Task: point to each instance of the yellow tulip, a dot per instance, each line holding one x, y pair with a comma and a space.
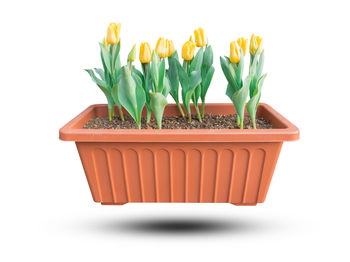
162, 47
145, 53
188, 50
234, 53
255, 44
200, 37
242, 44
171, 48
113, 32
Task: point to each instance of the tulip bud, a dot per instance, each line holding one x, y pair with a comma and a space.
162, 48
242, 44
171, 48
113, 31
132, 54
234, 53
104, 42
188, 50
255, 43
191, 39
145, 53
200, 37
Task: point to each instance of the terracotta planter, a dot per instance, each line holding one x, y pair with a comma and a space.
206, 166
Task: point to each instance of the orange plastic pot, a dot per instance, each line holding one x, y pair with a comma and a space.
192, 166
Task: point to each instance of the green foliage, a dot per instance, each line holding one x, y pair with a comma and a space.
207, 72
190, 79
236, 90
107, 79
257, 80
131, 94
173, 77
146, 81
160, 88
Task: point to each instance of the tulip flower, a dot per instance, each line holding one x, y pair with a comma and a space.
255, 44
234, 53
171, 48
188, 50
242, 44
200, 37
113, 32
145, 53
162, 48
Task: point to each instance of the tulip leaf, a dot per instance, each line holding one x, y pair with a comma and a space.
116, 56
106, 58
114, 94
131, 95
161, 75
100, 83
183, 77
229, 73
166, 88
206, 82
158, 103
260, 64
173, 77
155, 70
253, 103
239, 98
196, 63
208, 57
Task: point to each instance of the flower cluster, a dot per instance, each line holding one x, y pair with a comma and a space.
237, 89
162, 74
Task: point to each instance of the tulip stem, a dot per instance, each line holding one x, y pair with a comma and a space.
198, 113
121, 113
203, 106
180, 109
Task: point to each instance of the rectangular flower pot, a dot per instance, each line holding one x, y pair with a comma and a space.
193, 166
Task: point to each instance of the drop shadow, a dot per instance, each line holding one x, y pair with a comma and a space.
178, 226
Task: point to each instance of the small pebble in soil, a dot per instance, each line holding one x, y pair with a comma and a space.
176, 122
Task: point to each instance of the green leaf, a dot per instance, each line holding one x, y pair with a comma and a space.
140, 101
101, 84
166, 88
101, 73
230, 91
173, 77
127, 92
154, 70
229, 73
239, 97
252, 104
106, 58
208, 57
183, 77
260, 64
239, 70
158, 103
196, 63
161, 75
116, 56
138, 73
206, 82
114, 94
194, 79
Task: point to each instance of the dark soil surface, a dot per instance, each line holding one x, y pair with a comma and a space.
208, 122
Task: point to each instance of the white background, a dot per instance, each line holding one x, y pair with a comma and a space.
47, 213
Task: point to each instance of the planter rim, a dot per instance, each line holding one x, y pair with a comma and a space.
285, 130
